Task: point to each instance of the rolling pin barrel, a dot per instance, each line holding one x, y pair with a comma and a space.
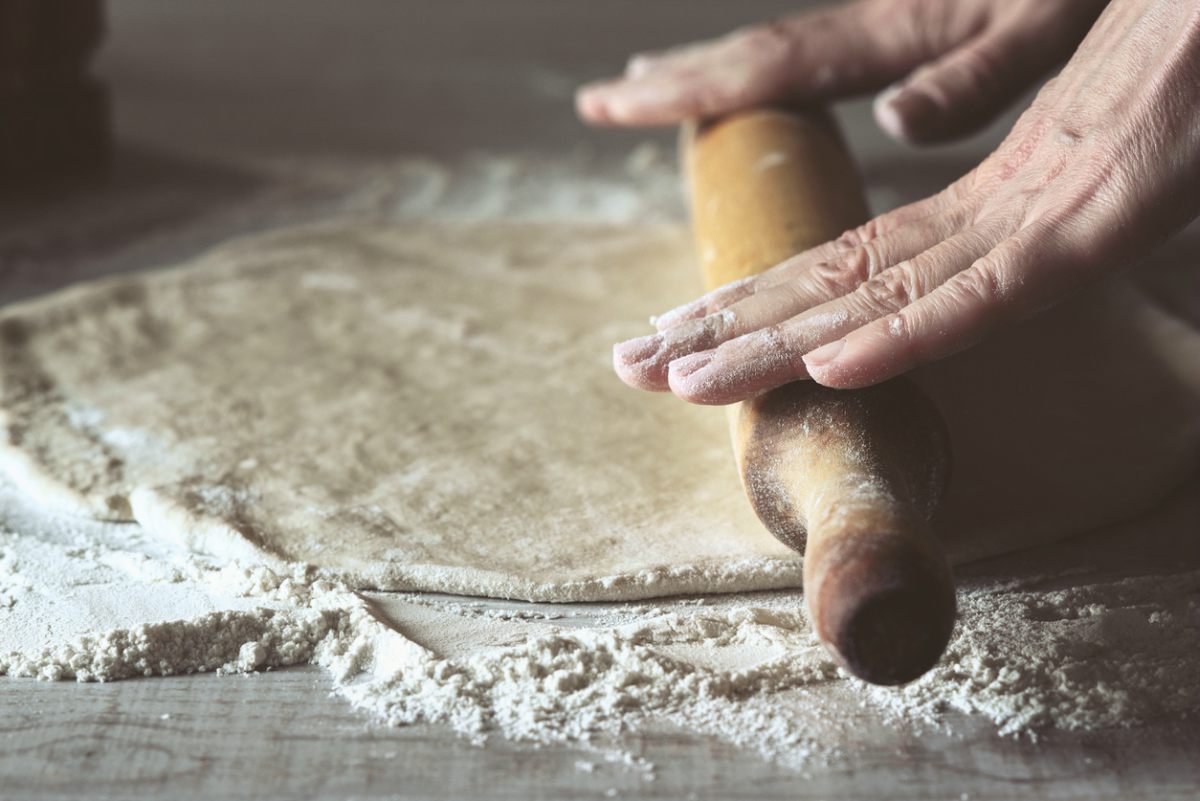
849, 478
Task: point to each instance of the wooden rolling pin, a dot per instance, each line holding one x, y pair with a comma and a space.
850, 478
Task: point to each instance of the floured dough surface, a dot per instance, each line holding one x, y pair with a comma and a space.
411, 407
432, 407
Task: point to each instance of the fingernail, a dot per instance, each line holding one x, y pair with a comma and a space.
690, 365
589, 102
906, 112
637, 350
824, 354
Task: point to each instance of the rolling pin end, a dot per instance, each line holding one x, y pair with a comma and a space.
886, 614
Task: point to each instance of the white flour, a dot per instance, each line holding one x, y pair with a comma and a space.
1028, 656
1084, 647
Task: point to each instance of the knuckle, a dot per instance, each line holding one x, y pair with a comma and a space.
891, 290
980, 284
861, 234
769, 38
842, 276
719, 325
703, 332
961, 197
849, 239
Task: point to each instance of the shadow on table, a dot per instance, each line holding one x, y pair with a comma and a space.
55, 235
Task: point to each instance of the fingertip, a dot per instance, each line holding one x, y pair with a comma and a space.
887, 116
829, 377
635, 362
906, 114
635, 350
638, 376
686, 367
849, 367
824, 364
591, 104
839, 376
621, 103
690, 379
631, 102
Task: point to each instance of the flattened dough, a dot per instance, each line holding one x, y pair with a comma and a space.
432, 408
411, 407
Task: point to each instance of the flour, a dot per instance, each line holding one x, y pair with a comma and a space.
1093, 656
1031, 655
259, 639
1050, 645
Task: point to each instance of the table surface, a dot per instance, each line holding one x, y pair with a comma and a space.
214, 102
280, 735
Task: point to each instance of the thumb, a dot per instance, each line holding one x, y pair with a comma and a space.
829, 53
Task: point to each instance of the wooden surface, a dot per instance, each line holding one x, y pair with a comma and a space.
281, 736
213, 140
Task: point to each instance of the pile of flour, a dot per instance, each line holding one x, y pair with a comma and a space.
98, 602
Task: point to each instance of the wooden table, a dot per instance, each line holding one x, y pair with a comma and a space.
281, 736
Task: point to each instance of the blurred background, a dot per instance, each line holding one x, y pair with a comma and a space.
208, 119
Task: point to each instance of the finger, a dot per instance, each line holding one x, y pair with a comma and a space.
644, 362
752, 364
829, 53
843, 262
954, 316
965, 89
715, 300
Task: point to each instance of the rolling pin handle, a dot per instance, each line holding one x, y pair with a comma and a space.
883, 606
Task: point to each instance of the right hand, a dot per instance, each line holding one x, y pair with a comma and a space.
952, 65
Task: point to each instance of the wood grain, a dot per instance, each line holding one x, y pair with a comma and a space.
281, 736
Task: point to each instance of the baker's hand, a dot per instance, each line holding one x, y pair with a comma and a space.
958, 63
1101, 168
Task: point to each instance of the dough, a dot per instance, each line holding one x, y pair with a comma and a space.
428, 407
412, 408
1085, 415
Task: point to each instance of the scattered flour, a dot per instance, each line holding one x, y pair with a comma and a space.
1079, 650
1031, 655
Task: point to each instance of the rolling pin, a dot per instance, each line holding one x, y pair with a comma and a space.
850, 478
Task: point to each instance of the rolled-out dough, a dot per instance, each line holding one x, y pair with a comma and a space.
411, 407
429, 407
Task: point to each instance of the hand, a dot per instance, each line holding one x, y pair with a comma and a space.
1101, 168
962, 62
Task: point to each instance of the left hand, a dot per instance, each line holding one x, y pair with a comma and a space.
1102, 167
